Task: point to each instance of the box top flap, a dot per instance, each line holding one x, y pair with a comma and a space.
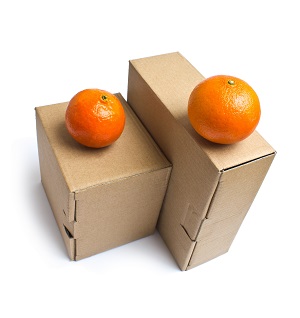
133, 153
178, 72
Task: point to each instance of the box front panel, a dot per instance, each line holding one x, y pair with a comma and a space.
119, 212
238, 187
208, 250
232, 200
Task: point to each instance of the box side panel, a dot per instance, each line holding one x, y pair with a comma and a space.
193, 174
119, 212
59, 197
194, 177
147, 152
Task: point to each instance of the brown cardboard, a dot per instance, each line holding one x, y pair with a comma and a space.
101, 198
211, 186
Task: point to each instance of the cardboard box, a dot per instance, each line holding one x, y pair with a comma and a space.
211, 186
101, 198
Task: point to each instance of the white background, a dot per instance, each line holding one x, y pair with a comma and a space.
52, 49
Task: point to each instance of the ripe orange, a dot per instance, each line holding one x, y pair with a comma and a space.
224, 109
95, 118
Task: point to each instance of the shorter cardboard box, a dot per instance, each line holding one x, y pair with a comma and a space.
101, 198
212, 186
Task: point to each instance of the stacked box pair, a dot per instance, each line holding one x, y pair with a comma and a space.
159, 173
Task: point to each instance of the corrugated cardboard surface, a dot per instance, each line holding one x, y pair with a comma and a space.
101, 198
212, 186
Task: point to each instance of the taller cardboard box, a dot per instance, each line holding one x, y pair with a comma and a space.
211, 186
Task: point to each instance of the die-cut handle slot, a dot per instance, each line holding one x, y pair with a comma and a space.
70, 236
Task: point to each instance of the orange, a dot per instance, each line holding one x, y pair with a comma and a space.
224, 109
95, 118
